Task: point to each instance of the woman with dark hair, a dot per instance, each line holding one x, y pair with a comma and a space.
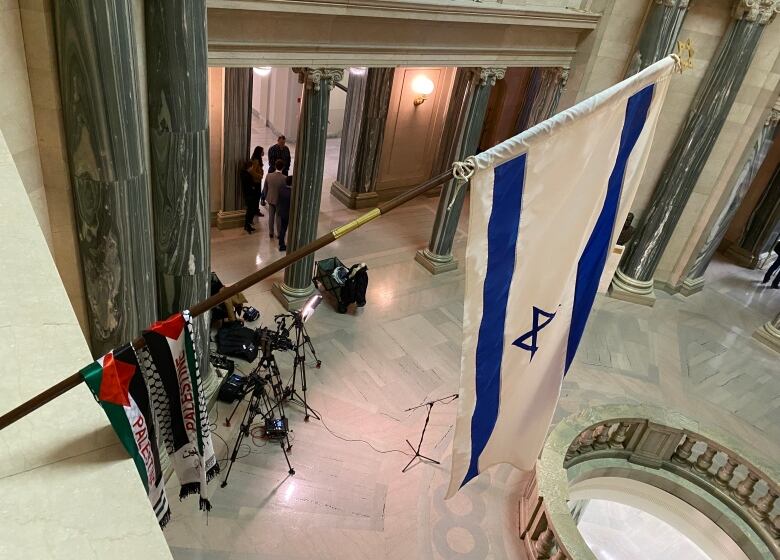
256, 170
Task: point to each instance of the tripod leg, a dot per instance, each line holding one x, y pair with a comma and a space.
290, 468
306, 407
307, 341
409, 464
243, 430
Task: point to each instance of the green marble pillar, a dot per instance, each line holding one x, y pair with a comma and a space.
659, 33
634, 279
762, 228
694, 278
105, 140
543, 94
238, 131
365, 116
178, 136
437, 258
307, 181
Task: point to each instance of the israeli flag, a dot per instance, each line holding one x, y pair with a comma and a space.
546, 209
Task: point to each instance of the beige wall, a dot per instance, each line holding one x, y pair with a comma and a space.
547, 3
393, 32
216, 134
17, 120
260, 96
412, 133
284, 102
504, 106
336, 106
40, 56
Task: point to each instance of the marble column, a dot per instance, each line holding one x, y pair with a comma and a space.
178, 138
307, 181
694, 280
769, 334
235, 148
457, 112
102, 112
437, 258
762, 227
659, 33
365, 116
545, 88
714, 98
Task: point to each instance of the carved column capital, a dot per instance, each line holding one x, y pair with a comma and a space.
315, 77
773, 117
759, 11
564, 78
489, 75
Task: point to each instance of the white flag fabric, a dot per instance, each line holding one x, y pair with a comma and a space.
546, 208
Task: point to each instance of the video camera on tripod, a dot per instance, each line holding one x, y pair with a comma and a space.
269, 340
264, 384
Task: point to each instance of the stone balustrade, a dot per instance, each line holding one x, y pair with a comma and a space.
646, 438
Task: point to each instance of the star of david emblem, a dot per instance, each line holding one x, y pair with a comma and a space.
522, 342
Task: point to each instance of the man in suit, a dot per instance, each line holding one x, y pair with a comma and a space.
279, 151
773, 269
273, 182
283, 211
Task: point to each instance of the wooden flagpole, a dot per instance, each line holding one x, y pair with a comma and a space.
229, 291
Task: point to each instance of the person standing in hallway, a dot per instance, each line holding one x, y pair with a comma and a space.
251, 197
283, 211
273, 183
256, 171
279, 151
772, 269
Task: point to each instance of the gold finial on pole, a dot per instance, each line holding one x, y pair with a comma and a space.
687, 47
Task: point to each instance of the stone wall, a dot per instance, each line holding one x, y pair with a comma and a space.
412, 133
32, 102
17, 121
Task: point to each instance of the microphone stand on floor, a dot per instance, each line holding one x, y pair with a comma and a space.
417, 454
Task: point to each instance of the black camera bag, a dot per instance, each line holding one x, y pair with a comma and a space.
237, 341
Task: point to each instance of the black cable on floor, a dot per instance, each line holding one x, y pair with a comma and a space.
335, 435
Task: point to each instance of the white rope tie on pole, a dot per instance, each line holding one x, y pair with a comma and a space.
462, 171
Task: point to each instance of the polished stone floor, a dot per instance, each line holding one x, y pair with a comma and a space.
349, 499
616, 531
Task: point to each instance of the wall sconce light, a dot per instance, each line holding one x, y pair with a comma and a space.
262, 71
423, 87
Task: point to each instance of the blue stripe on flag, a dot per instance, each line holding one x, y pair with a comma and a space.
591, 264
504, 222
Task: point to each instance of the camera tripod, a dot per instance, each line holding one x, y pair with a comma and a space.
302, 346
276, 426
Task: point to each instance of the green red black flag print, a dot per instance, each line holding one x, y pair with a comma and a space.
170, 366
118, 385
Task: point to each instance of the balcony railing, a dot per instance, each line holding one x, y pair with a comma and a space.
648, 437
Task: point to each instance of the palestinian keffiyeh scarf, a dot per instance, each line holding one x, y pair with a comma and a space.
118, 385
170, 366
